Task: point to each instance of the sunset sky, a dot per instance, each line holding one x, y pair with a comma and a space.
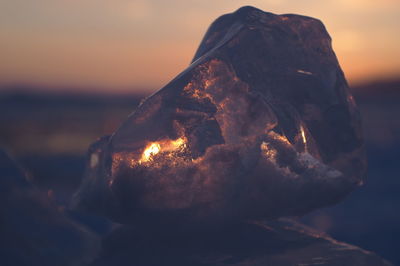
123, 46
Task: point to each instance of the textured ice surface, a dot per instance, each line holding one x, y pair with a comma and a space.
260, 125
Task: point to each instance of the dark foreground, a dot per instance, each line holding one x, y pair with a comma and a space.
35, 231
260, 243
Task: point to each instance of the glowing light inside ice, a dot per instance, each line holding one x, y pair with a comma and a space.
162, 146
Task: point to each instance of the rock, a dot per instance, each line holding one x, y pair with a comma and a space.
33, 230
278, 243
260, 125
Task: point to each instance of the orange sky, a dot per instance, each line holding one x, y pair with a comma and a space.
123, 45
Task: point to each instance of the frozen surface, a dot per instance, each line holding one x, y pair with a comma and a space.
278, 243
260, 125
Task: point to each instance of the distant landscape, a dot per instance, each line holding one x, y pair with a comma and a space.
51, 123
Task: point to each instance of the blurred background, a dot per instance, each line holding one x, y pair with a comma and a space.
71, 71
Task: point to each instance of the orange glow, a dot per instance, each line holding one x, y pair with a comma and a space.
268, 151
303, 135
153, 149
281, 138
162, 146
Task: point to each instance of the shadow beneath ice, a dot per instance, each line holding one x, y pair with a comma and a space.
276, 243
